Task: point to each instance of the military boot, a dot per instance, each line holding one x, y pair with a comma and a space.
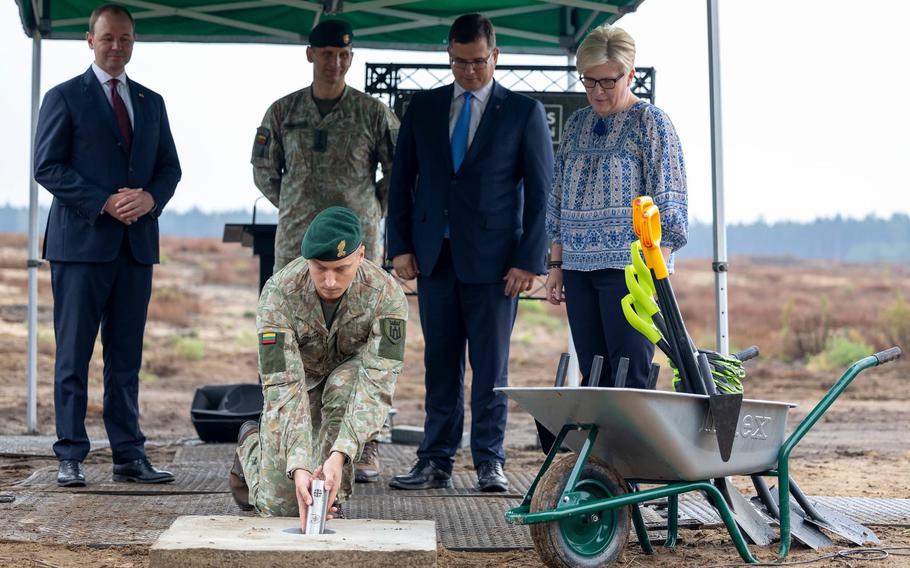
236, 479
367, 468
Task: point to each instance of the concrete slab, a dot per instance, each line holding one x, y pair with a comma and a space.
259, 542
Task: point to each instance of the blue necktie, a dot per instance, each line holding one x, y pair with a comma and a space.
460, 139
460, 134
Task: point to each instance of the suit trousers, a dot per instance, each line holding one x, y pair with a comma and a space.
454, 313
600, 328
113, 296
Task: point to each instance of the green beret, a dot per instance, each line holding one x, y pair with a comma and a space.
331, 33
334, 234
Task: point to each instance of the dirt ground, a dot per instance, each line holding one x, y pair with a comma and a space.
202, 331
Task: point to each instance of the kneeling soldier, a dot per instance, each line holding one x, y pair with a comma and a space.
331, 343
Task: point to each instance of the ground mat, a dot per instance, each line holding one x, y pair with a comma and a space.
105, 513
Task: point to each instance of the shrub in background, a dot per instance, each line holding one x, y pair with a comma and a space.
895, 323
804, 332
841, 350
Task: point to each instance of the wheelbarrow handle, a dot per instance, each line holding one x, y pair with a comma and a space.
888, 355
747, 353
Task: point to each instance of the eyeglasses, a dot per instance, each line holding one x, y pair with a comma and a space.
605, 84
477, 64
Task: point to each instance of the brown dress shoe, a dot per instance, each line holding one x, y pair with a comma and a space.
236, 480
367, 468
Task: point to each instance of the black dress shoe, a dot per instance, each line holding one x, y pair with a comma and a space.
69, 474
424, 475
141, 471
490, 478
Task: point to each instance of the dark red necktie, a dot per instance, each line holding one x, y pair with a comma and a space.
123, 117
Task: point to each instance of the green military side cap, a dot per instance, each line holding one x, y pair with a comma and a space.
334, 234
331, 33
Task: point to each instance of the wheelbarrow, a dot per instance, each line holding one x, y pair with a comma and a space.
580, 506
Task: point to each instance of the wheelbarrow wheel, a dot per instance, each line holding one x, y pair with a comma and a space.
595, 539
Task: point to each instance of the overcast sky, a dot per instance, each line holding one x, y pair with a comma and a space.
815, 108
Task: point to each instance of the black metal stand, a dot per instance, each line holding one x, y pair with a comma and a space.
259, 237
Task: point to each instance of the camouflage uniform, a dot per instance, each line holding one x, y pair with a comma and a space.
300, 180
325, 390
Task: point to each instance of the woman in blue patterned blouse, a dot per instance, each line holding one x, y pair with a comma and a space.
618, 148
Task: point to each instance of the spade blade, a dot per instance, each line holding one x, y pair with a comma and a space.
725, 411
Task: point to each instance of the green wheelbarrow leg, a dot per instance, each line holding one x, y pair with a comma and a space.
641, 531
672, 521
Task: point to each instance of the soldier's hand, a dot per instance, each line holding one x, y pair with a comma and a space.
405, 266
331, 471
518, 281
302, 479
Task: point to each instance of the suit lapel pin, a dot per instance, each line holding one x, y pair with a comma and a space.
141, 95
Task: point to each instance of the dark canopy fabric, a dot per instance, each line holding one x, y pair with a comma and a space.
523, 26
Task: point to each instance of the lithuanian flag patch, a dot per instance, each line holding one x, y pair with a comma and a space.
268, 338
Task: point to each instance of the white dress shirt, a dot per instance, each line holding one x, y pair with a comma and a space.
122, 89
478, 104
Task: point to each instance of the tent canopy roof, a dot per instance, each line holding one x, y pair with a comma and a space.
522, 26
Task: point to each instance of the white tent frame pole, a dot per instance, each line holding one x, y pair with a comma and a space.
717, 176
31, 418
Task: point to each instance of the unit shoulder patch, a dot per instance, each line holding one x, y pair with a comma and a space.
391, 345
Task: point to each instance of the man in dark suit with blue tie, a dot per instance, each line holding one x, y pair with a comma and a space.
466, 218
104, 150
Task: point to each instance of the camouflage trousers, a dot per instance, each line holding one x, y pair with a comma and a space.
264, 457
372, 240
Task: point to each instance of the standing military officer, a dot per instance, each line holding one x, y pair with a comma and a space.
331, 344
319, 147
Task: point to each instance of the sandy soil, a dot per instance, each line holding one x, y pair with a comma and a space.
202, 331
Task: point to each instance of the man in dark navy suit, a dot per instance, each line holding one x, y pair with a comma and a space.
104, 150
466, 218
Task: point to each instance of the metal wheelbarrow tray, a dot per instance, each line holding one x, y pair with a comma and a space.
580, 506
659, 435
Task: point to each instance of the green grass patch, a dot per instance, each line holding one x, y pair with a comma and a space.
188, 348
247, 338
145, 377
840, 351
533, 313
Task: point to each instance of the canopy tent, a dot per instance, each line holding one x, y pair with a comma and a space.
551, 27
546, 27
